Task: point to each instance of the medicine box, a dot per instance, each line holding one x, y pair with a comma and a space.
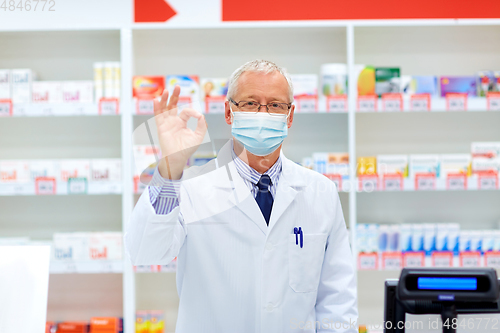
105, 246
75, 168
71, 246
485, 82
157, 321
304, 84
78, 91
387, 80
392, 164
367, 166
142, 322
21, 81
485, 165
458, 84
47, 92
423, 164
366, 79
213, 87
5, 89
148, 87
189, 84
485, 149
454, 164
43, 168
424, 85
14, 171
106, 170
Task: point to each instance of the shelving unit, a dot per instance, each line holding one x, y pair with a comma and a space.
437, 47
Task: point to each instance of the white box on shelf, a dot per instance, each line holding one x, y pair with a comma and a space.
98, 81
304, 84
105, 246
71, 246
333, 79
78, 91
43, 168
77, 168
145, 157
429, 231
454, 164
484, 164
485, 149
106, 170
116, 77
14, 171
420, 163
47, 92
392, 164
417, 237
21, 81
5, 84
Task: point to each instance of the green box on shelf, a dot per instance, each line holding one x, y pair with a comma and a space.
387, 80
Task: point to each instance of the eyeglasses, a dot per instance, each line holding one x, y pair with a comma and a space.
274, 109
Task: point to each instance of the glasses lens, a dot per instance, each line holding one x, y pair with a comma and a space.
279, 108
249, 106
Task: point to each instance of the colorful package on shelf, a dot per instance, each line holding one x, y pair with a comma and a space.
157, 321
367, 238
105, 246
44, 169
392, 164
496, 74
333, 80
387, 80
367, 166
50, 327
423, 164
458, 84
148, 87
72, 327
424, 85
447, 237
104, 325
190, 87
485, 82
47, 92
78, 91
142, 322
304, 85
71, 246
406, 237
145, 160
14, 171
485, 149
366, 80
213, 87
331, 163
454, 164
389, 238
5, 84
21, 80
75, 168
106, 170
98, 81
429, 237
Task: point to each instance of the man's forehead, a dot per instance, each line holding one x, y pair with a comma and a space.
263, 81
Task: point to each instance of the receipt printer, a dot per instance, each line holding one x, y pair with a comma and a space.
447, 292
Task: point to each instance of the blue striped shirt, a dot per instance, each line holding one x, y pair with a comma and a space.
163, 193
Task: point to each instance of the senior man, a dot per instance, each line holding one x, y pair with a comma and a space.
261, 242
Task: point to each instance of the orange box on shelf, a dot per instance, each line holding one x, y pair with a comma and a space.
148, 87
72, 327
104, 325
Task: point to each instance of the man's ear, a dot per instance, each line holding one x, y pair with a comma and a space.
290, 117
227, 113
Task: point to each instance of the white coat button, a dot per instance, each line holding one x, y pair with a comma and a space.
269, 307
269, 246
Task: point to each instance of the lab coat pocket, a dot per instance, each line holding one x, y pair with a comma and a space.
304, 264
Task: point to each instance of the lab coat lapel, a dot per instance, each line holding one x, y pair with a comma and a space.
239, 195
289, 186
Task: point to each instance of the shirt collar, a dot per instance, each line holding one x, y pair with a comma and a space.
250, 174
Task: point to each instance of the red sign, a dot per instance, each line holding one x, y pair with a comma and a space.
278, 10
152, 11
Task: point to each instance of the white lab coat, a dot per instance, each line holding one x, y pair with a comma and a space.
235, 273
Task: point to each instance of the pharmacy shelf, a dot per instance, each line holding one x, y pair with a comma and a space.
56, 109
86, 267
61, 188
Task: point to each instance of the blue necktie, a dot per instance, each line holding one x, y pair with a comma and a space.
264, 198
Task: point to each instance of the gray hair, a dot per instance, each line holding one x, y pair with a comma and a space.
258, 66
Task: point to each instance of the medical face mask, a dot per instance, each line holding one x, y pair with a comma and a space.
260, 133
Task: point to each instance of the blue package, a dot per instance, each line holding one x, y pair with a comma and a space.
424, 85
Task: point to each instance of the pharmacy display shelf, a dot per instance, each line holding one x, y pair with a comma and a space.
78, 186
56, 109
409, 104
169, 268
429, 183
86, 267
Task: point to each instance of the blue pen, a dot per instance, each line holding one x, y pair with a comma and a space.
296, 231
301, 237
